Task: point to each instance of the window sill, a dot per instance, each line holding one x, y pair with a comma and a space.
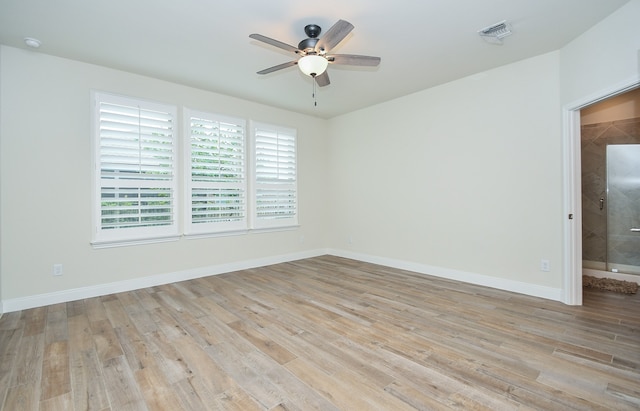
195, 236
126, 243
274, 229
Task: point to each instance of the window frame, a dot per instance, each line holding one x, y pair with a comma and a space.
103, 237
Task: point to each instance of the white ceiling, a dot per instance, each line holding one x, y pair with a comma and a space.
205, 43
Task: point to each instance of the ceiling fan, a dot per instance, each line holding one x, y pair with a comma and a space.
314, 53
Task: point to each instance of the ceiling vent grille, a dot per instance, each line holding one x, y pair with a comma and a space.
496, 32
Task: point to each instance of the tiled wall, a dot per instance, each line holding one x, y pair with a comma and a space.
595, 138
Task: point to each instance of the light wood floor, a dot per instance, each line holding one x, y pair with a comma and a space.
322, 334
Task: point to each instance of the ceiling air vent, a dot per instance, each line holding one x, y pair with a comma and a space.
496, 32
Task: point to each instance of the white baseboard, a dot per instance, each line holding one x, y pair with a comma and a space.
533, 290
40, 300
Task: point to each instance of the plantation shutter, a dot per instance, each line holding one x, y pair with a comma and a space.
217, 182
275, 168
135, 162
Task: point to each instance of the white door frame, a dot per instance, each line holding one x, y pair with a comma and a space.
572, 230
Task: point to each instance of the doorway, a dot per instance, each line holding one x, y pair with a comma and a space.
610, 174
573, 244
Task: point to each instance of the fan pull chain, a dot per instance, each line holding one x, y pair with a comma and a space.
313, 94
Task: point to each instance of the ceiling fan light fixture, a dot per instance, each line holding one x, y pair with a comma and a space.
313, 65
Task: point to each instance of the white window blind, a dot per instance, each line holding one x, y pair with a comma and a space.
135, 169
275, 176
216, 182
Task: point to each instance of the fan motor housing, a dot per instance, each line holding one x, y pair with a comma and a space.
308, 44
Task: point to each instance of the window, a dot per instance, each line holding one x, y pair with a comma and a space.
137, 186
216, 182
135, 170
275, 202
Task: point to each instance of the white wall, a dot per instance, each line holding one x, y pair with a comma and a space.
606, 55
46, 181
463, 180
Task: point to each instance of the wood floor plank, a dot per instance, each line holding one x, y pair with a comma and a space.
56, 328
192, 394
62, 402
135, 348
34, 320
11, 321
123, 391
94, 310
76, 308
140, 318
80, 335
167, 323
105, 340
236, 399
167, 358
23, 397
87, 381
9, 344
116, 314
262, 343
28, 363
269, 374
234, 362
210, 374
56, 376
156, 390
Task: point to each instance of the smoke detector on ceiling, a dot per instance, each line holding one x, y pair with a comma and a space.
31, 42
496, 32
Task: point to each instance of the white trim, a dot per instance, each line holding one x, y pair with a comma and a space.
23, 303
40, 300
572, 276
127, 243
534, 290
572, 228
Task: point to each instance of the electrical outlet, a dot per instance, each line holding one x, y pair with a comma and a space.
57, 269
544, 265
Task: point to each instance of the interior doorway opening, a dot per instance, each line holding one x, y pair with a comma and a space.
573, 261
610, 175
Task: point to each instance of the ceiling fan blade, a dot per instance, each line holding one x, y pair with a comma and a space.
323, 79
334, 35
353, 60
279, 44
278, 67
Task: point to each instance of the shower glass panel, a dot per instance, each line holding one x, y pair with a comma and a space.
623, 208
